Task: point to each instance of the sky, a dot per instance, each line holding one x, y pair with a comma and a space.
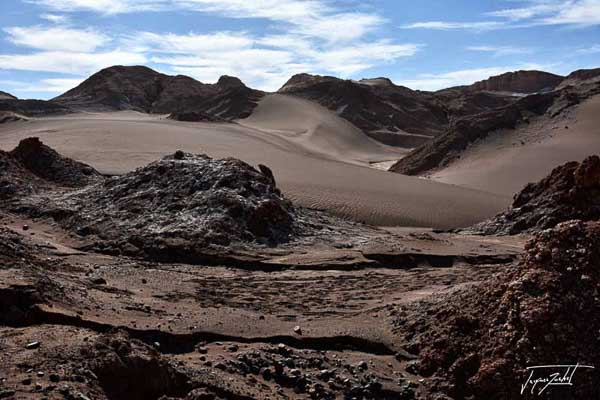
50, 46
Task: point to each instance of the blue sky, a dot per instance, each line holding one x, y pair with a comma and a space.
49, 46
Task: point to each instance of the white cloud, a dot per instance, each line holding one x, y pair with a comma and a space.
190, 43
52, 85
445, 25
56, 38
585, 13
461, 77
594, 49
69, 63
349, 60
314, 36
339, 27
499, 51
535, 13
102, 6
55, 18
535, 9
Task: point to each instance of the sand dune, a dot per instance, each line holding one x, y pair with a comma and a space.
506, 161
319, 160
318, 129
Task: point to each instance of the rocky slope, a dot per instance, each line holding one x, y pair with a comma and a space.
519, 82
466, 129
32, 166
392, 114
143, 89
372, 106
478, 341
32, 108
571, 191
6, 96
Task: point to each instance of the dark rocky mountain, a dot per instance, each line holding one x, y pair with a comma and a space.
392, 114
32, 108
6, 96
143, 89
571, 191
467, 128
519, 82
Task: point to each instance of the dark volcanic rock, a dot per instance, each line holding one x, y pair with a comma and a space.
47, 164
32, 108
143, 89
32, 166
519, 82
175, 208
571, 191
478, 341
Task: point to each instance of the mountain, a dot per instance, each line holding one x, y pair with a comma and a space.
529, 114
142, 89
519, 82
6, 96
392, 114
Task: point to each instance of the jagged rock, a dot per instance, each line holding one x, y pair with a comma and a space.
519, 82
571, 191
480, 339
47, 164
173, 209
129, 369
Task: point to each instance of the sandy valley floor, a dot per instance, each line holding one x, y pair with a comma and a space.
319, 160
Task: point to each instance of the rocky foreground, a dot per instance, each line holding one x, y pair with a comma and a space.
195, 278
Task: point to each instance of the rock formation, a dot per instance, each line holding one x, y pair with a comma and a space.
478, 341
32, 166
519, 82
571, 191
143, 89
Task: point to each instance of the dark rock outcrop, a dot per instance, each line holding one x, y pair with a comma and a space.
47, 164
32, 108
571, 191
32, 166
478, 341
175, 209
519, 82
143, 89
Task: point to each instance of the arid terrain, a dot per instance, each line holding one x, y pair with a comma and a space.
175, 244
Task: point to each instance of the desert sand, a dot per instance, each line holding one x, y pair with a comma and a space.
506, 161
319, 159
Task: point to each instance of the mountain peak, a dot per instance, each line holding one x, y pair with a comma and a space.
6, 96
519, 82
227, 81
